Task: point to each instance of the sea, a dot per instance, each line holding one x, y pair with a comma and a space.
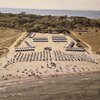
69, 13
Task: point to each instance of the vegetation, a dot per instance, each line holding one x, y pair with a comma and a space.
92, 37
14, 24
7, 37
37, 23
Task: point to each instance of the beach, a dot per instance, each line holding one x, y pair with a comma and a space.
37, 58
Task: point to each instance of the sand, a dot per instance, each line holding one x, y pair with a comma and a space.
46, 63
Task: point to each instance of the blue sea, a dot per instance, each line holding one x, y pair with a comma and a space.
81, 13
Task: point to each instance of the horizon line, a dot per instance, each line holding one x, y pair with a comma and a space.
48, 9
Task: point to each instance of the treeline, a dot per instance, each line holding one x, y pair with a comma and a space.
37, 23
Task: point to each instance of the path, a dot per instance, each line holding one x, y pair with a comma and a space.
89, 47
9, 38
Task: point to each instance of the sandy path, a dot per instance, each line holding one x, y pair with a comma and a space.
89, 47
10, 38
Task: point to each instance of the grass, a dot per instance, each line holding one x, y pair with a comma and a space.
7, 38
92, 37
78, 41
8, 33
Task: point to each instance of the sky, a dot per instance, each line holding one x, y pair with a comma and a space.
52, 4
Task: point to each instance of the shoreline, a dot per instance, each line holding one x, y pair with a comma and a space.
80, 13
22, 80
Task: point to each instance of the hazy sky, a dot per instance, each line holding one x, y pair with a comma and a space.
52, 4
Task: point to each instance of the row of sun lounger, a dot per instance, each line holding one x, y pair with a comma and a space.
33, 56
46, 55
39, 39
50, 56
31, 35
75, 49
24, 49
71, 45
59, 39
54, 39
28, 44
64, 56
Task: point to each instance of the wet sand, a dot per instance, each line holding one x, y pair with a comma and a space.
69, 87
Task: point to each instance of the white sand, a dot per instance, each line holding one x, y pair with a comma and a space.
37, 69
